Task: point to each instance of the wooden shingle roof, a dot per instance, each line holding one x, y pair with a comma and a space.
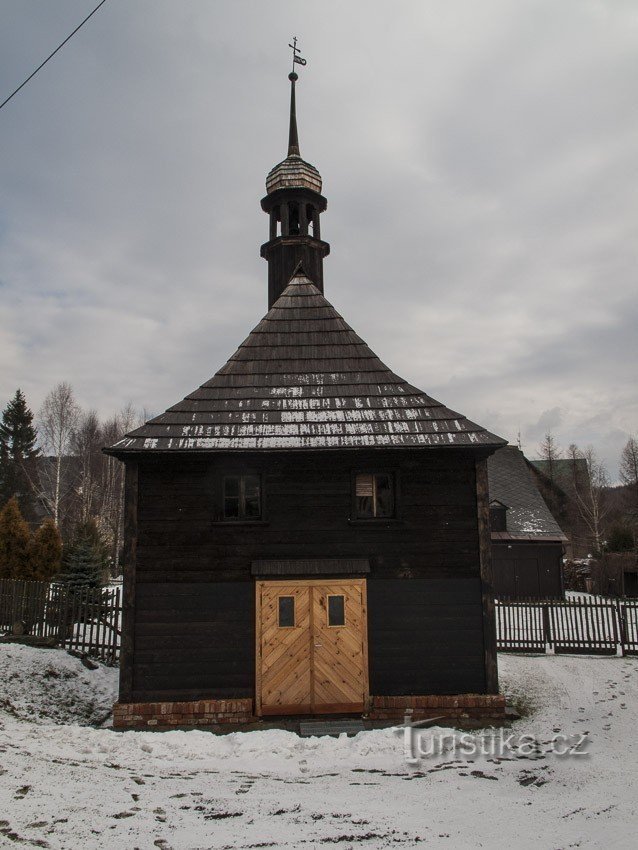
303, 379
511, 484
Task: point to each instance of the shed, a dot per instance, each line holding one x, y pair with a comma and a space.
527, 542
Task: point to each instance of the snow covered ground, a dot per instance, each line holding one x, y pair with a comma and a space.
66, 785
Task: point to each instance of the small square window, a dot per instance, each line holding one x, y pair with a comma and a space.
336, 610
242, 497
286, 612
374, 495
498, 516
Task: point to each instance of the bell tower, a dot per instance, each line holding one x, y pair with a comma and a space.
294, 204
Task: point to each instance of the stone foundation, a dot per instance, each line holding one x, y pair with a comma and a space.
460, 707
166, 715
207, 712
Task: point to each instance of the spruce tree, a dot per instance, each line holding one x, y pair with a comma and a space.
86, 561
15, 543
17, 453
46, 551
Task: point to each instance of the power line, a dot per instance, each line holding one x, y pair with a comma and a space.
59, 47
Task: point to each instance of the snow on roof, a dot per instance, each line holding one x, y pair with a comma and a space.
303, 379
511, 484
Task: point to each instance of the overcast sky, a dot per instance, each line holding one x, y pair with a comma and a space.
480, 162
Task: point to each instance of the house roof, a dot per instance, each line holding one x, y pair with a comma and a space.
565, 473
511, 484
303, 379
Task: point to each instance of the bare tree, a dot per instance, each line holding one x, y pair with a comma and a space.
629, 471
86, 443
590, 492
57, 420
550, 451
629, 477
112, 479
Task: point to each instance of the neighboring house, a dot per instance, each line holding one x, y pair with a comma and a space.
613, 574
306, 533
559, 482
527, 542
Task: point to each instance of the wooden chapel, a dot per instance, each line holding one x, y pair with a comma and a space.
306, 533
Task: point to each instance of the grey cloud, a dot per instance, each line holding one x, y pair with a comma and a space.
478, 161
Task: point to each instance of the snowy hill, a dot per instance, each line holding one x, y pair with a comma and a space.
51, 686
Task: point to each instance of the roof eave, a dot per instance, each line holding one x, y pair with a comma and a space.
484, 449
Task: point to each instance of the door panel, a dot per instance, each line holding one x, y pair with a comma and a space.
319, 664
338, 675
285, 651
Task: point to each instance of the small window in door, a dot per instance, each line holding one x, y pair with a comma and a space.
374, 495
336, 610
286, 612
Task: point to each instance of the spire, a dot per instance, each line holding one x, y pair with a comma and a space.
293, 138
294, 204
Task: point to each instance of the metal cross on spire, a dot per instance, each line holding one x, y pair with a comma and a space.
296, 59
293, 138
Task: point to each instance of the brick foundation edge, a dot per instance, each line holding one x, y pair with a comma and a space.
212, 712
459, 706
204, 712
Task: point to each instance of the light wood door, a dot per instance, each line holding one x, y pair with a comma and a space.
285, 649
311, 647
338, 675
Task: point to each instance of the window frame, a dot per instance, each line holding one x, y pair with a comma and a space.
498, 516
241, 518
294, 610
393, 474
330, 625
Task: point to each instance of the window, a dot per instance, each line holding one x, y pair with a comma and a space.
336, 610
242, 497
286, 612
498, 516
374, 495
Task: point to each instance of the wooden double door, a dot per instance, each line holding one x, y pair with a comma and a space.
312, 654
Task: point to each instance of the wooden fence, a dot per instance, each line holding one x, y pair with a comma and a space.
599, 626
89, 621
86, 620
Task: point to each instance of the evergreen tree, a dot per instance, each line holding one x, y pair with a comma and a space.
46, 551
17, 453
86, 561
15, 543
620, 538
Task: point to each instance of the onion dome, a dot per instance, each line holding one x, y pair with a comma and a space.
293, 173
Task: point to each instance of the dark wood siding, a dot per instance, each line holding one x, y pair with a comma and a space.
307, 508
194, 628
426, 636
194, 640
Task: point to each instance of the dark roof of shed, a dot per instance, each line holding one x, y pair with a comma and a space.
303, 379
511, 483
